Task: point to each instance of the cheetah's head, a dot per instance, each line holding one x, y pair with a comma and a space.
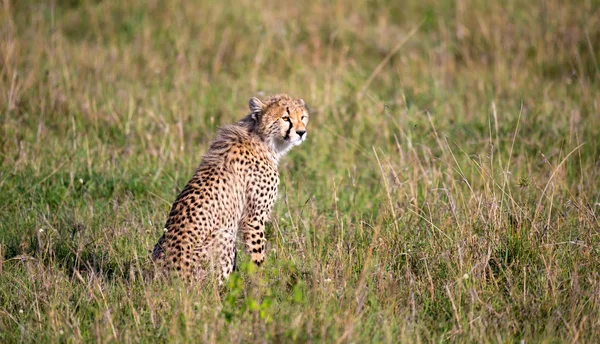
280, 121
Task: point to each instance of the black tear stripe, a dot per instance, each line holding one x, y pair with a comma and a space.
235, 267
287, 133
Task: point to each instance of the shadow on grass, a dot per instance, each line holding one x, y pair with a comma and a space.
61, 219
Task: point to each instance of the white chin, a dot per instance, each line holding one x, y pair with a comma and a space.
299, 140
281, 147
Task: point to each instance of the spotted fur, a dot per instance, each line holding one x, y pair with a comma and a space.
234, 188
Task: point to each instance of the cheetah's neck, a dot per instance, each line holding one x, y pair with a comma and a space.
278, 148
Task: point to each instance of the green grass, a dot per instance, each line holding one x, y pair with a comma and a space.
449, 189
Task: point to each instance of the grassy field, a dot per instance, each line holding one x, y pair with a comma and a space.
449, 189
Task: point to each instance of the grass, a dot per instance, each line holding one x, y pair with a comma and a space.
449, 189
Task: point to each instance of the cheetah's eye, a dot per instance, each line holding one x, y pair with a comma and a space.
286, 117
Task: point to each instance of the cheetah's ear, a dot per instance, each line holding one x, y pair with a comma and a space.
256, 107
301, 102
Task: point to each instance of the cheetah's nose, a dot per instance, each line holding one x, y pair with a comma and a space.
301, 132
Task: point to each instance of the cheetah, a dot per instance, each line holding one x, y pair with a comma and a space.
234, 189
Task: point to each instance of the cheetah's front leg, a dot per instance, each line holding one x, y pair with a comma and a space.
253, 228
254, 236
260, 201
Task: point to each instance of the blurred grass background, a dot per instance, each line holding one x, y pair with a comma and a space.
449, 189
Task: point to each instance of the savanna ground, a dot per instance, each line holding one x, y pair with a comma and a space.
449, 188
